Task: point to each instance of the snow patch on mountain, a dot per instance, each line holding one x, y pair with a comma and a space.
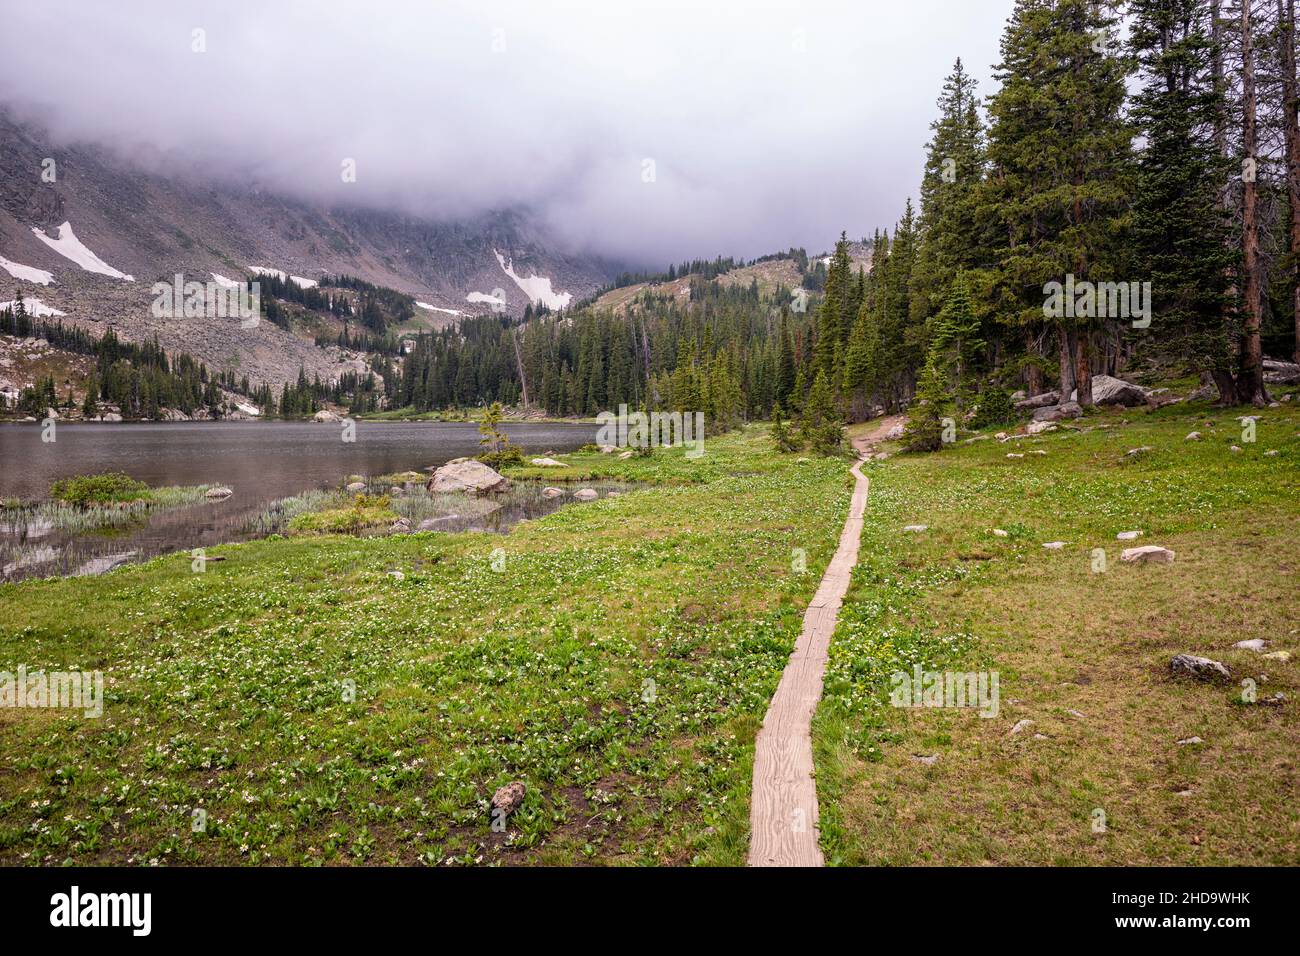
299, 281
26, 273
537, 288
484, 297
70, 247
35, 308
224, 282
438, 308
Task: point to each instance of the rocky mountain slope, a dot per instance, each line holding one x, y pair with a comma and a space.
90, 233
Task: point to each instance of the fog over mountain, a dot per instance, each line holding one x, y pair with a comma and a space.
768, 124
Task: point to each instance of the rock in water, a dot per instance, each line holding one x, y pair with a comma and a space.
1200, 668
465, 474
218, 492
508, 799
1147, 553
552, 492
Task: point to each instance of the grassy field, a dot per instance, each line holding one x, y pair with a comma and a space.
323, 710
1082, 649
618, 657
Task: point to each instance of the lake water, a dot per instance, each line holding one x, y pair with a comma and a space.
262, 462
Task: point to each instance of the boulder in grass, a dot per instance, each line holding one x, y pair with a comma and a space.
1128, 535
1054, 545
1147, 554
1199, 668
1254, 644
1035, 428
1107, 390
916, 528
607, 449
894, 433
355, 487
1193, 436
586, 494
220, 491
624, 456
508, 799
1281, 373
1039, 401
465, 474
547, 463
1056, 413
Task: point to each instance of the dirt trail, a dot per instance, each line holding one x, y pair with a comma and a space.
783, 813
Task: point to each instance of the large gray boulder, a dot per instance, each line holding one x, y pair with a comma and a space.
1056, 413
465, 474
1114, 391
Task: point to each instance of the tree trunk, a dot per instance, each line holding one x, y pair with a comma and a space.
1250, 382
1033, 374
519, 361
1066, 356
1084, 374
1290, 104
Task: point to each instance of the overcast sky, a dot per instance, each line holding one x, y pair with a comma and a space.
769, 124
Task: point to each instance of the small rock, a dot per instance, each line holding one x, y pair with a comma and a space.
219, 492
1041, 737
586, 494
607, 449
1254, 644
355, 486
1022, 724
916, 528
928, 759
397, 575
1012, 454
1183, 793
1282, 656
508, 799
1270, 453
1193, 436
1134, 452
999, 533
552, 492
1128, 535
1147, 553
547, 463
1201, 668
1075, 713
1002, 436
1190, 741
1234, 449
396, 492
1037, 451
1037, 428
626, 455
1054, 545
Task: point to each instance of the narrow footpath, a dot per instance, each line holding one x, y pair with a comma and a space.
783, 814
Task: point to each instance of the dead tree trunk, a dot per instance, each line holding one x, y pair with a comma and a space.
1250, 382
1290, 106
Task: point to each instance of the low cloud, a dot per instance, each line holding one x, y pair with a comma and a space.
767, 124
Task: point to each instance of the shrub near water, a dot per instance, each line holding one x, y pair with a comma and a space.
108, 488
367, 511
